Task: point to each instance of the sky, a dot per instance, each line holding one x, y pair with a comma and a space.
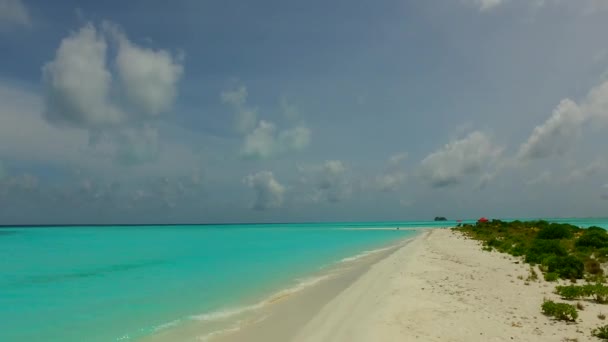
224, 111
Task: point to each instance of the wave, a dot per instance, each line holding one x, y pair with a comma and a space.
365, 253
238, 325
272, 299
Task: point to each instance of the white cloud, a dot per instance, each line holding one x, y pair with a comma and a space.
261, 142
246, 117
556, 135
26, 136
78, 82
269, 192
83, 92
149, 78
595, 105
263, 139
13, 13
459, 159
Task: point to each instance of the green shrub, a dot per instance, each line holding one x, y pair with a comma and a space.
560, 311
567, 267
600, 332
555, 231
532, 276
570, 292
542, 249
599, 292
593, 237
592, 266
550, 276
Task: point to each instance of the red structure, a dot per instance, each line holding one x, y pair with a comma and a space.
482, 220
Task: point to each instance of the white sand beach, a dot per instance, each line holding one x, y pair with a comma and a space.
443, 287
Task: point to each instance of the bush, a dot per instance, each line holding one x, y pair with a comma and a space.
599, 292
542, 249
567, 267
593, 267
555, 231
600, 332
570, 292
593, 237
550, 276
560, 311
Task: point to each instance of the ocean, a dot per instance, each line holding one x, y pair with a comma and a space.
122, 283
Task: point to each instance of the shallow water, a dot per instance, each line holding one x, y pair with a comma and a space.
119, 283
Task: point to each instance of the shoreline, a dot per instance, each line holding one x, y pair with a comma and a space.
278, 316
444, 287
436, 286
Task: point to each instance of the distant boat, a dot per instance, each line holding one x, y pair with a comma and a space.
440, 218
482, 220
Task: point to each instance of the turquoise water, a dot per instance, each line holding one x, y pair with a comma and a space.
116, 283
110, 283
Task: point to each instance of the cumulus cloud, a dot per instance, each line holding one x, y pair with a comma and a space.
13, 13
595, 104
452, 163
261, 142
83, 91
26, 136
78, 82
268, 191
556, 136
149, 77
263, 139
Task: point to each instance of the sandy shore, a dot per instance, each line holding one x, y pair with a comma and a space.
443, 287
438, 287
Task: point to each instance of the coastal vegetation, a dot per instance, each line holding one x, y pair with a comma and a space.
561, 252
561, 311
601, 332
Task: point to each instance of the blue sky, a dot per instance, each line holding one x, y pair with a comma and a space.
277, 111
